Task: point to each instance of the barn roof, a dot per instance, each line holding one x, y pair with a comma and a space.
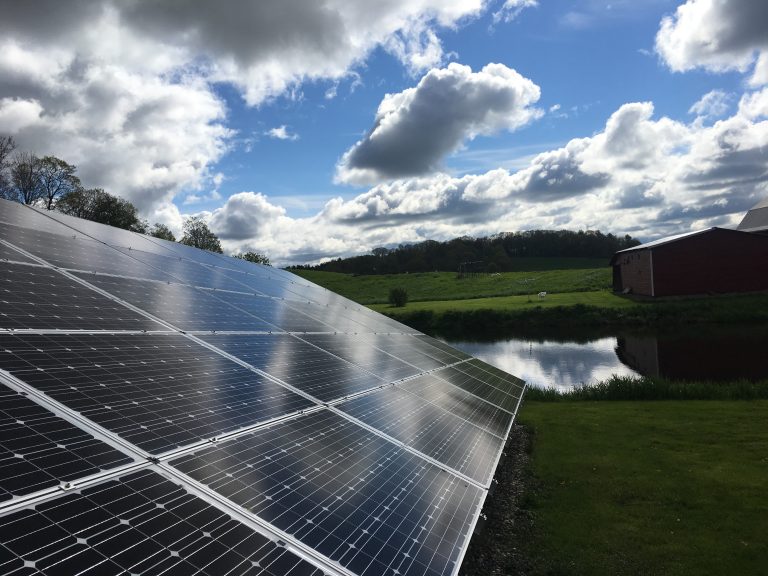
676, 238
756, 218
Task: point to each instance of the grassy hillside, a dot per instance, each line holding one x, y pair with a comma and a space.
447, 286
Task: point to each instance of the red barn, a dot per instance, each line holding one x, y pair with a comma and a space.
712, 261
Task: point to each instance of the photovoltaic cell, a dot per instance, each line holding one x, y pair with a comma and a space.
455, 442
297, 363
157, 391
40, 450
407, 348
363, 354
277, 313
470, 378
77, 252
353, 496
41, 298
26, 217
107, 234
8, 253
480, 412
452, 353
185, 307
140, 523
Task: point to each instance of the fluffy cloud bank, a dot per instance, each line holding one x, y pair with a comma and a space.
640, 174
124, 90
717, 35
415, 129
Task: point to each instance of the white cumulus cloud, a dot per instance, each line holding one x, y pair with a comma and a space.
717, 35
416, 129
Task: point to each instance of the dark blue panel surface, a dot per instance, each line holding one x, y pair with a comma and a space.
156, 391
143, 524
41, 298
298, 363
276, 312
451, 440
77, 252
363, 354
499, 388
356, 498
460, 402
185, 307
40, 450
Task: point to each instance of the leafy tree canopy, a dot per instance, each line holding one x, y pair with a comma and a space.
198, 235
161, 231
100, 206
254, 257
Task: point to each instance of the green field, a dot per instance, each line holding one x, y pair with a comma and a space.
428, 286
661, 487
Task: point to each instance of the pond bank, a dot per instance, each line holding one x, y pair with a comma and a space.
491, 318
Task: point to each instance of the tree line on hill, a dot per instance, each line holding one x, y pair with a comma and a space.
496, 253
52, 183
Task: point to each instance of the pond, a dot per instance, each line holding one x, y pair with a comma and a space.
564, 361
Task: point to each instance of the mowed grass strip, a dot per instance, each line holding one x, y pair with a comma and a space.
664, 487
427, 286
600, 299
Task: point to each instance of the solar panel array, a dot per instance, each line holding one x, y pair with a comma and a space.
165, 410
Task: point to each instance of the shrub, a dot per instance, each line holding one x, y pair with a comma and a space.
398, 297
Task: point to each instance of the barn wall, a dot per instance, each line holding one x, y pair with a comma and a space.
714, 262
635, 270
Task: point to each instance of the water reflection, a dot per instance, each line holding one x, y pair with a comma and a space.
549, 363
702, 353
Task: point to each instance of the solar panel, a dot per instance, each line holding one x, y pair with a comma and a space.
355, 497
472, 408
165, 410
77, 252
352, 349
40, 450
429, 429
12, 255
298, 364
470, 378
34, 297
140, 523
185, 307
156, 391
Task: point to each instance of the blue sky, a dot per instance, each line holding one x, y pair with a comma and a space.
311, 131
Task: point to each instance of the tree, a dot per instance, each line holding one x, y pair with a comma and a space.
254, 257
7, 146
100, 206
161, 231
398, 297
25, 178
198, 235
55, 178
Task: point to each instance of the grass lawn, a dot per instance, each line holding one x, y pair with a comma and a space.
446, 286
657, 487
601, 299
